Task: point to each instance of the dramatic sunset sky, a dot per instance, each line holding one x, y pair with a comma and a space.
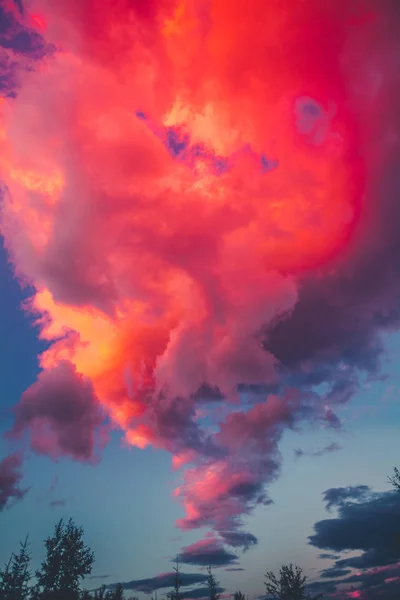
200, 288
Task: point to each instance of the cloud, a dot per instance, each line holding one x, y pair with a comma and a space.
239, 539
10, 477
21, 47
61, 412
335, 331
200, 593
337, 497
333, 447
356, 507
209, 551
219, 492
367, 521
53, 485
235, 569
334, 572
322, 587
57, 503
379, 583
193, 232
163, 580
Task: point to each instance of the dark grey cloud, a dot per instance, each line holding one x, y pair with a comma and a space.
336, 497
327, 555
369, 523
10, 477
176, 425
164, 580
333, 447
201, 593
239, 539
387, 591
207, 393
322, 587
373, 577
366, 521
375, 584
207, 552
57, 503
334, 572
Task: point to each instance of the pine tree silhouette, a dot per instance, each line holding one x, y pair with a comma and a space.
176, 594
212, 585
15, 577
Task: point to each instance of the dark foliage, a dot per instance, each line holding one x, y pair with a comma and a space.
212, 585
290, 584
15, 577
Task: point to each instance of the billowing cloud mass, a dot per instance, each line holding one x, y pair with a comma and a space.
10, 477
204, 198
367, 522
61, 412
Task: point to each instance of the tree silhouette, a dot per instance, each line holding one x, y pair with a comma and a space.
14, 579
238, 596
395, 479
103, 593
67, 562
176, 594
212, 585
290, 585
118, 592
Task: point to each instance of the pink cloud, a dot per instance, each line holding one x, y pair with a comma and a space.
218, 492
62, 414
154, 274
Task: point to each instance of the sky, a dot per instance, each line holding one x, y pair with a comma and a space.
199, 288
